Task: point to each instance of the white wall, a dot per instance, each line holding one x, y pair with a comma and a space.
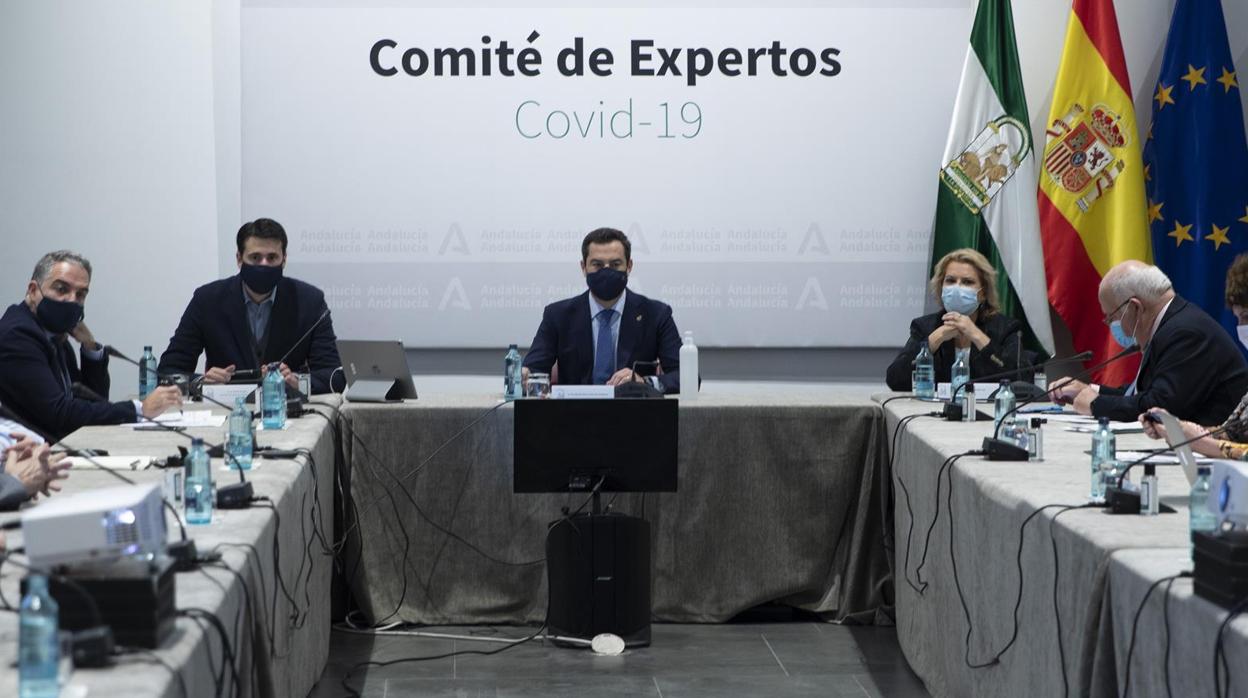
119, 137
106, 147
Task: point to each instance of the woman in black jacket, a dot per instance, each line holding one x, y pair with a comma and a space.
965, 284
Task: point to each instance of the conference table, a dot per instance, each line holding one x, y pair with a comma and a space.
270, 590
801, 495
781, 497
964, 624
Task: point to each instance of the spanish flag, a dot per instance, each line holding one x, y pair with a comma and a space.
1091, 199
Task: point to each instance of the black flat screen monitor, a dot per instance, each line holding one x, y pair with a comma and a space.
568, 445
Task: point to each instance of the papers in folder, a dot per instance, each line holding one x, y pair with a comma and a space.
113, 462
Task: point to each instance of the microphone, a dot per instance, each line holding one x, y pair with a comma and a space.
305, 336
998, 449
236, 496
82, 392
638, 388
1122, 501
953, 410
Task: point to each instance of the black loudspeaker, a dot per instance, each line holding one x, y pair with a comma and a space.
598, 569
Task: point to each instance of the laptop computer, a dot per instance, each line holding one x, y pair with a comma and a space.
1174, 435
376, 371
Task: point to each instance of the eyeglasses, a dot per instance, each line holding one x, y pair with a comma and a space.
1109, 319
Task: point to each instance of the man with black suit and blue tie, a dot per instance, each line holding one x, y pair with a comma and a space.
597, 337
38, 372
256, 318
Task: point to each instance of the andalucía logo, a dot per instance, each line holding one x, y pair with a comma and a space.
988, 162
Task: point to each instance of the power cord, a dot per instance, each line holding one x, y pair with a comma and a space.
1220, 668
1135, 625
894, 475
1057, 611
226, 645
927, 540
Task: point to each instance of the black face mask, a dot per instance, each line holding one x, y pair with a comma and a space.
260, 279
58, 317
607, 283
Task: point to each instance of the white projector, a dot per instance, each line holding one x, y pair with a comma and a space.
95, 526
1228, 493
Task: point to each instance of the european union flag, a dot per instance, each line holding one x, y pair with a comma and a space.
1196, 159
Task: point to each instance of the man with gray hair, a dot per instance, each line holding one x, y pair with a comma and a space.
39, 377
1189, 364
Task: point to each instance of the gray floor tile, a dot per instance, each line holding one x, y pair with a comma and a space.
552, 687
734, 659
899, 684
795, 686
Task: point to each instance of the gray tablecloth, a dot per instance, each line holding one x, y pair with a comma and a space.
781, 498
292, 661
990, 501
1186, 642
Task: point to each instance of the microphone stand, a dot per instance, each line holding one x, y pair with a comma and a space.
998, 449
235, 496
953, 410
1119, 500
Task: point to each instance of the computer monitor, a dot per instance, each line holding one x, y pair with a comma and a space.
569, 445
376, 371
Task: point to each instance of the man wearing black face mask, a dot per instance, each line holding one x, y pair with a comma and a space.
38, 372
256, 318
596, 337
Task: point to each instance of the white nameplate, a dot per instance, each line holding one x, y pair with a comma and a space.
228, 393
982, 391
582, 392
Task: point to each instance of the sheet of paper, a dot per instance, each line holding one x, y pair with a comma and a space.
187, 418
113, 462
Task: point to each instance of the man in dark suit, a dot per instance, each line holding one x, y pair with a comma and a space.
1189, 366
256, 318
38, 373
597, 337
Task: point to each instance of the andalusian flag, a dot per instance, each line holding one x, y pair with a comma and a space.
985, 198
1092, 211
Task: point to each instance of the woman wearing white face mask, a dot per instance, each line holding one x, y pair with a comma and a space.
965, 284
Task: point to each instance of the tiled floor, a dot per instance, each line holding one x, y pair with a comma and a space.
736, 659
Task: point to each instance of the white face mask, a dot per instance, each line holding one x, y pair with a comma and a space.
1242, 331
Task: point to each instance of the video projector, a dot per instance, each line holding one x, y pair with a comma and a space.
96, 526
1228, 494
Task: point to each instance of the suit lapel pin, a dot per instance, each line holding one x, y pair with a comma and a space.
638, 318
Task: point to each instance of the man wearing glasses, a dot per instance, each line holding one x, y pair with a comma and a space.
1189, 365
597, 337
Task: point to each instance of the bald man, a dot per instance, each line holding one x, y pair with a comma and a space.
1189, 364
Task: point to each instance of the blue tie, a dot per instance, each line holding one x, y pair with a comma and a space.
604, 353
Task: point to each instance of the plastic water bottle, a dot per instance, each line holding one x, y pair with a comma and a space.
1104, 453
1004, 405
197, 501
147, 372
1202, 517
961, 372
512, 383
238, 442
924, 374
688, 368
273, 398
39, 642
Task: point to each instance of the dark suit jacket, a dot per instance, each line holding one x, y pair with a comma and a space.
647, 332
999, 354
215, 322
31, 383
1191, 367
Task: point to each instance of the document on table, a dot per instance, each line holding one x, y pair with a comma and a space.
113, 462
187, 419
1159, 458
1086, 425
